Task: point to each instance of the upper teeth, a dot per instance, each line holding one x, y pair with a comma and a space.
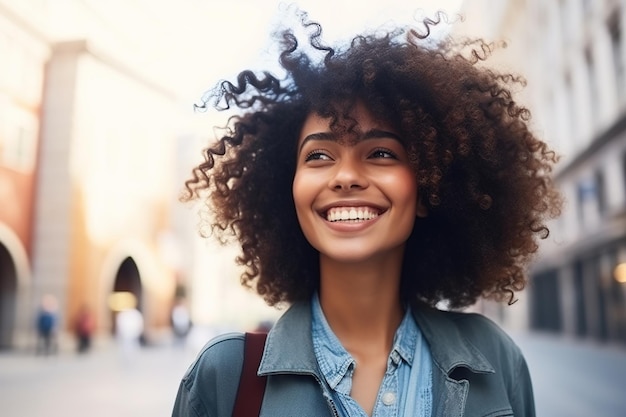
350, 213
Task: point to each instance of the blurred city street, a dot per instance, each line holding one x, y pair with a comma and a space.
571, 380
101, 383
103, 115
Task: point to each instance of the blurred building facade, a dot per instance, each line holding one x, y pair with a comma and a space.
95, 145
24, 51
86, 146
85, 176
92, 156
573, 55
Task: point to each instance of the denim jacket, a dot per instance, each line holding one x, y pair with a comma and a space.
477, 370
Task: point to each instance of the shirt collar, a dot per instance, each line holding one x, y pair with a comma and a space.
333, 358
406, 338
335, 362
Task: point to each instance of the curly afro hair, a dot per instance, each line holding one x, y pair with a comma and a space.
482, 174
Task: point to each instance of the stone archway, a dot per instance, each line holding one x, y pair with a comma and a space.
8, 297
16, 304
128, 280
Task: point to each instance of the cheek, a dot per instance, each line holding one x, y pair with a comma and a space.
303, 196
406, 197
410, 188
301, 192
297, 190
402, 187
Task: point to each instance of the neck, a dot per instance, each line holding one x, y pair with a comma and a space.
362, 303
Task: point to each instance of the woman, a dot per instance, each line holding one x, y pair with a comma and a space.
377, 181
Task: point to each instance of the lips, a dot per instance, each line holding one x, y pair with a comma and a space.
352, 214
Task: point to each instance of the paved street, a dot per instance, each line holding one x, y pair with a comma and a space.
571, 380
574, 379
100, 384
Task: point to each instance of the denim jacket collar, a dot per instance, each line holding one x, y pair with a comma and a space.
448, 347
289, 348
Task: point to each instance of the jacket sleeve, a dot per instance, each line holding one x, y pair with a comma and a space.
522, 399
184, 405
209, 387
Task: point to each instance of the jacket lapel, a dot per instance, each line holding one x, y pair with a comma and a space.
449, 395
289, 355
449, 350
289, 347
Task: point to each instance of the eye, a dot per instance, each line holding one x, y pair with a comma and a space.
317, 155
383, 153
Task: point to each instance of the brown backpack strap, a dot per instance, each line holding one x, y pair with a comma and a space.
251, 386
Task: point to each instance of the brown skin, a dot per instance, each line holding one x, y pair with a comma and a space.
364, 310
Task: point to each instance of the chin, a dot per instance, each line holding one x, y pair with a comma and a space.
349, 256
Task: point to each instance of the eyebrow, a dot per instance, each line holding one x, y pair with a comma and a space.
370, 134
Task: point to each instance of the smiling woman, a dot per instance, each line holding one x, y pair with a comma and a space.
376, 180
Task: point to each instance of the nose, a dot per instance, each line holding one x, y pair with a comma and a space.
348, 176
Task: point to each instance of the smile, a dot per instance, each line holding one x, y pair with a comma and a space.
351, 214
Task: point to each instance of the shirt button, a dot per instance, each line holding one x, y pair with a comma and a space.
389, 398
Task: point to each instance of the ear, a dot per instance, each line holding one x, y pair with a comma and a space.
421, 210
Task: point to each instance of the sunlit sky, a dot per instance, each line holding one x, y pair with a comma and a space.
188, 46
222, 38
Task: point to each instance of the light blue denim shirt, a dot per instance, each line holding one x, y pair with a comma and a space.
406, 389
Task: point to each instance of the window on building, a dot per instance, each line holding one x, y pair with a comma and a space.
19, 143
579, 299
581, 197
570, 119
617, 41
616, 300
545, 311
600, 192
587, 201
5, 49
592, 85
624, 171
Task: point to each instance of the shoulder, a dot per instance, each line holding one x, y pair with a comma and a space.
223, 347
471, 347
209, 386
468, 339
485, 338
475, 328
485, 334
503, 353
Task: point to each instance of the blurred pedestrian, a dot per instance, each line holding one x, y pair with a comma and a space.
370, 184
181, 322
47, 326
129, 327
83, 328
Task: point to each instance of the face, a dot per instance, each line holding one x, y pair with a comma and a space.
355, 200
